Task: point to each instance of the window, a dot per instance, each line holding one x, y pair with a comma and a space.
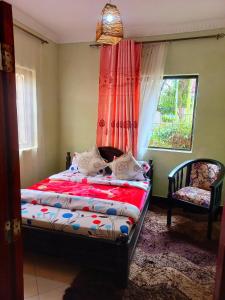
174, 119
26, 107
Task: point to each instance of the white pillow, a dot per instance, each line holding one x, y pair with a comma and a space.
89, 162
126, 167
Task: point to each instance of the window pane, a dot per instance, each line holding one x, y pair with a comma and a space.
173, 124
26, 107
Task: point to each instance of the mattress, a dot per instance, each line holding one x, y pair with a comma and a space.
97, 207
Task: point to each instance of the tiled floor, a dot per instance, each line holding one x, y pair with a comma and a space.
46, 278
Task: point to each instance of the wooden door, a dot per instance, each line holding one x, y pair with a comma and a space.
11, 260
220, 268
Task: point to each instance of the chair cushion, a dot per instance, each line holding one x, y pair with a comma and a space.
203, 175
193, 195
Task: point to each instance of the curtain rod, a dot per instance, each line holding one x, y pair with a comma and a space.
32, 34
217, 36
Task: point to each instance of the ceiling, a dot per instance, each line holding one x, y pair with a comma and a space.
69, 21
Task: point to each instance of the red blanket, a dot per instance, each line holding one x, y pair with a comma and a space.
127, 194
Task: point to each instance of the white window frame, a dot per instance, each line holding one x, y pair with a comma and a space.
26, 98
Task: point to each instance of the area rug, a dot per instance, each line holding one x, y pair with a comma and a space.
176, 263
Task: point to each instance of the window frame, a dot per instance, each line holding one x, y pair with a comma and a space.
196, 77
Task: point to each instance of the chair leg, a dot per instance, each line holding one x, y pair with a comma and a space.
216, 214
209, 229
169, 213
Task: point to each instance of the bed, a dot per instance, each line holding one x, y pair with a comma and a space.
60, 218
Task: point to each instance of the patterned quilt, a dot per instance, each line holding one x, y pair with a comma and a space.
99, 206
100, 179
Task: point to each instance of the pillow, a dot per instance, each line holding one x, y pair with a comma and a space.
126, 167
73, 167
145, 165
89, 162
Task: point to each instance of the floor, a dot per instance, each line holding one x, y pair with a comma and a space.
169, 263
176, 262
46, 278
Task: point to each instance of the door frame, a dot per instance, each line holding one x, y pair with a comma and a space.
11, 256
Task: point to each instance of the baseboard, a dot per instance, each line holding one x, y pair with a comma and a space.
160, 201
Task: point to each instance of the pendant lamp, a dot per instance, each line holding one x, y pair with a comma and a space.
109, 28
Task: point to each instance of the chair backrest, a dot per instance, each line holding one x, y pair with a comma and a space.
204, 172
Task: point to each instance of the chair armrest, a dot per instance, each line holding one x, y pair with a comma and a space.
172, 174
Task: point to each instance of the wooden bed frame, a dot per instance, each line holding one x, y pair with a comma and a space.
112, 256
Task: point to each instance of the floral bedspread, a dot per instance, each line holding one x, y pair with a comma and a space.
100, 179
99, 206
93, 225
126, 193
80, 203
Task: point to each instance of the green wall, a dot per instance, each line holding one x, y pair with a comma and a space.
206, 58
48, 151
78, 94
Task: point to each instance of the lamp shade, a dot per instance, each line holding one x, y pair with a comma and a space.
109, 28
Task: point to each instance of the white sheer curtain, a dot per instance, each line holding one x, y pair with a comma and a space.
28, 55
152, 70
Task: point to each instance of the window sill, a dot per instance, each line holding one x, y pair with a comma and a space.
27, 149
170, 150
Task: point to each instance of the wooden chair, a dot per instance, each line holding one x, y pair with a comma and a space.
197, 183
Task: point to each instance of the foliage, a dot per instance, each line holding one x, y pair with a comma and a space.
183, 92
167, 99
175, 105
168, 118
174, 97
177, 136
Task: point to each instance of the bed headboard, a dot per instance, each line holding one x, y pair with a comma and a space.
108, 154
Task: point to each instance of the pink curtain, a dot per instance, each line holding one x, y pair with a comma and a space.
119, 95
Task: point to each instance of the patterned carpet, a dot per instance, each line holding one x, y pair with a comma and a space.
176, 263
